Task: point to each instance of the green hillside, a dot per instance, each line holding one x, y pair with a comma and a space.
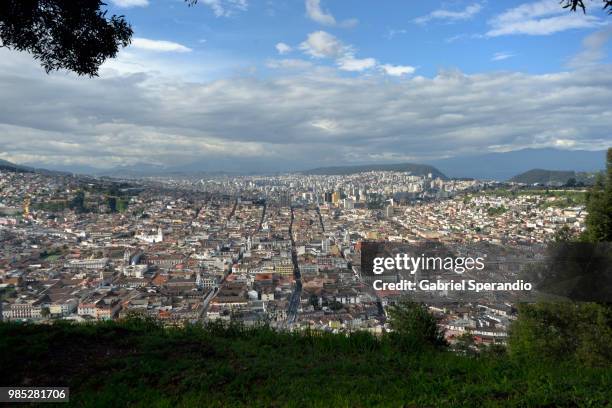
136, 363
553, 177
8, 166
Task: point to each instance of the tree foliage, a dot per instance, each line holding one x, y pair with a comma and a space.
599, 207
76, 35
466, 345
563, 234
574, 5
563, 331
581, 332
414, 326
78, 202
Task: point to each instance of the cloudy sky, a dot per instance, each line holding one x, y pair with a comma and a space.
293, 84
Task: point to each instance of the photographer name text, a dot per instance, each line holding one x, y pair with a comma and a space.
452, 285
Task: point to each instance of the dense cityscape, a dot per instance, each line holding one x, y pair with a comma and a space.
281, 250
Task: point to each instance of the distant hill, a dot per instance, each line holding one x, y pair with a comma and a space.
489, 166
416, 169
541, 176
553, 177
502, 166
7, 165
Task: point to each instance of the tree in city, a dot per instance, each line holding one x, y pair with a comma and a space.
599, 207
313, 300
121, 205
465, 344
112, 203
78, 202
563, 234
579, 332
414, 326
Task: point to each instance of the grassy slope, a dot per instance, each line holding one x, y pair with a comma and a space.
139, 364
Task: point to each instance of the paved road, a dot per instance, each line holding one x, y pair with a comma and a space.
263, 216
206, 301
294, 301
320, 218
231, 214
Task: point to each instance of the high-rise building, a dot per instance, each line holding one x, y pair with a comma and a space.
335, 197
285, 199
325, 244
26, 207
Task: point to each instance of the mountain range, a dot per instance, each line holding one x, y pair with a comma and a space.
554, 177
7, 165
490, 166
503, 166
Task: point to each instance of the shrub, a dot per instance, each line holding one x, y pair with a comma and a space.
414, 326
581, 332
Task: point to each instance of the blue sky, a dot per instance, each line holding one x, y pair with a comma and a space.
292, 84
426, 35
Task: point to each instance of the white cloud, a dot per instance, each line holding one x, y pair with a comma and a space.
391, 33
324, 117
350, 63
290, 64
226, 8
130, 3
321, 44
500, 56
158, 45
593, 49
283, 48
448, 15
327, 125
315, 12
462, 37
544, 17
544, 26
397, 70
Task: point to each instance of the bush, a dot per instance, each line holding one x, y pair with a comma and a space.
581, 332
414, 326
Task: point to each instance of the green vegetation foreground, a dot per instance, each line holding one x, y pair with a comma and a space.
138, 363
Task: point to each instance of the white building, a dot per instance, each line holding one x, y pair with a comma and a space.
151, 238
